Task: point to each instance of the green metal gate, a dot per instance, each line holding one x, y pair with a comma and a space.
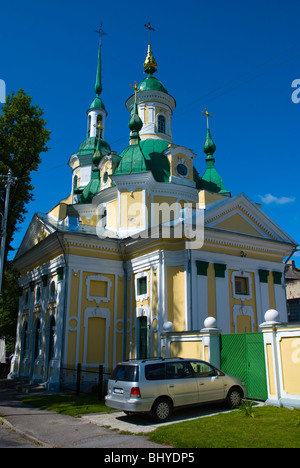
242, 355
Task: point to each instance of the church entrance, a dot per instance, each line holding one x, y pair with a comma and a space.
142, 337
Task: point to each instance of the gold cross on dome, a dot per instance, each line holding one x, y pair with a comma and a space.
207, 115
136, 89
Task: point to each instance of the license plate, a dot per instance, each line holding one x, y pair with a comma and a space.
118, 390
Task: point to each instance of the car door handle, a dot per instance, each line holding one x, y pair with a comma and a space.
201, 383
171, 386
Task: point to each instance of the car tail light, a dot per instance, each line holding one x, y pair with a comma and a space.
135, 392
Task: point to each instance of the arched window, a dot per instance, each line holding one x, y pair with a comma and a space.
24, 339
89, 126
99, 121
51, 337
36, 342
75, 182
52, 290
161, 124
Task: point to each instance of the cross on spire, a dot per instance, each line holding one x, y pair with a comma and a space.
207, 115
101, 33
150, 29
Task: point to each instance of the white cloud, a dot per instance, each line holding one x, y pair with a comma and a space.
268, 199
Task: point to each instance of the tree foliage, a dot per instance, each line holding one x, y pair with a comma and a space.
23, 137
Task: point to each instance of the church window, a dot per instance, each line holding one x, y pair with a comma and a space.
142, 285
52, 290
161, 124
241, 285
38, 294
105, 177
182, 170
75, 182
89, 126
51, 337
36, 338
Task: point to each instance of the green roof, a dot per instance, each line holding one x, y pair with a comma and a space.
132, 161
97, 104
146, 156
152, 83
88, 146
91, 189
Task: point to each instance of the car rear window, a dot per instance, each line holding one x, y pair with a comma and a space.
126, 372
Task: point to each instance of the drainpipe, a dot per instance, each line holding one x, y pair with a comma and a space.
293, 251
190, 283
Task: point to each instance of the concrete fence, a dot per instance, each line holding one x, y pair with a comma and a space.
281, 348
282, 355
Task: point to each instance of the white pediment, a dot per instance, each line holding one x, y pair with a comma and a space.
37, 231
240, 215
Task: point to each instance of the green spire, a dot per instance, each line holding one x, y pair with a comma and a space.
97, 102
98, 83
211, 179
135, 124
133, 159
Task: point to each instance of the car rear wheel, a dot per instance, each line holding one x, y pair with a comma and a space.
234, 397
161, 410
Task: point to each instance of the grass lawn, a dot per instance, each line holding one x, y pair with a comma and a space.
68, 404
270, 427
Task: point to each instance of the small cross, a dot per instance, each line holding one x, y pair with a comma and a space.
99, 127
150, 29
101, 33
207, 115
136, 89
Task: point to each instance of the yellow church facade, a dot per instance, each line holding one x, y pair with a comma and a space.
143, 247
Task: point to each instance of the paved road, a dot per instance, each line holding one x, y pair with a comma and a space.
48, 429
11, 439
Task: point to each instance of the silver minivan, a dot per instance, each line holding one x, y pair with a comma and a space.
157, 386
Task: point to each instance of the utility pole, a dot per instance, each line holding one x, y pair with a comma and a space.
9, 179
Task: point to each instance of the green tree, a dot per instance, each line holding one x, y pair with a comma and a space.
23, 137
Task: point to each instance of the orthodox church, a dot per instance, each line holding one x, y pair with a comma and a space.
142, 247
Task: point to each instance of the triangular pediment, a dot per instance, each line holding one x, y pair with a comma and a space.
37, 231
240, 215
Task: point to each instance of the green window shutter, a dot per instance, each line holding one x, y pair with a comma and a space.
220, 269
263, 276
277, 275
201, 267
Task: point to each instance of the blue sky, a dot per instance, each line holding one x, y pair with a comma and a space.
239, 59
